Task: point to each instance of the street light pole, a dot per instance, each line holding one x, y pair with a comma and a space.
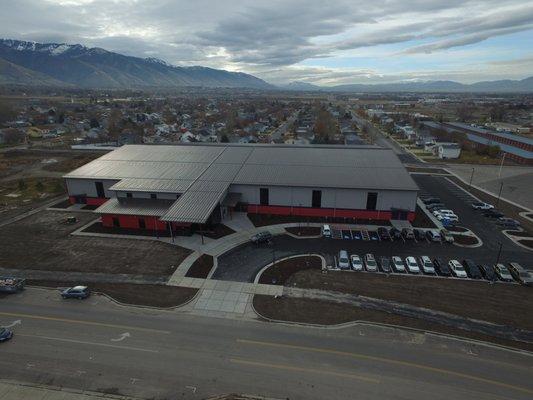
501, 166
499, 253
499, 194
471, 177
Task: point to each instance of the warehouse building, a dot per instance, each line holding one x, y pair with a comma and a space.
182, 187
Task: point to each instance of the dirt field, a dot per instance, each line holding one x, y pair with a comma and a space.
329, 313
43, 242
501, 303
201, 267
279, 273
142, 295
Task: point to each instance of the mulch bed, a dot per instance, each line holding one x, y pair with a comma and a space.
520, 234
89, 207
422, 220
466, 240
134, 294
427, 170
218, 231
97, 227
62, 204
527, 243
312, 311
281, 271
457, 229
304, 230
201, 267
501, 303
265, 220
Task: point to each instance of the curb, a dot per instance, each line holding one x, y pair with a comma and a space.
262, 270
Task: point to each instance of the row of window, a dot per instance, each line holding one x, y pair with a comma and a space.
316, 199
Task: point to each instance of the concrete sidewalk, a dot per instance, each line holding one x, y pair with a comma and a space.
18, 391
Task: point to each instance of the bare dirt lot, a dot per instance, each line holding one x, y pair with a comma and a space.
43, 242
507, 304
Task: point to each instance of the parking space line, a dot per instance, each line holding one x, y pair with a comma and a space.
388, 361
301, 369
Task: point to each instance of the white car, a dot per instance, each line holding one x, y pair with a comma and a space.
450, 217
482, 206
435, 213
457, 269
370, 263
344, 262
326, 231
427, 265
412, 265
357, 263
397, 263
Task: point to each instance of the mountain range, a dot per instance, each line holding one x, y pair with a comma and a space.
59, 64
52, 64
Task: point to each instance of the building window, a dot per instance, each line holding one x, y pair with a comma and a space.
116, 222
263, 196
99, 189
129, 195
371, 200
142, 223
153, 196
317, 199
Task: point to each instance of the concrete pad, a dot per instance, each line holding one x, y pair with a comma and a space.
218, 295
201, 304
249, 288
223, 285
275, 290
240, 308
228, 306
236, 286
214, 305
209, 284
244, 297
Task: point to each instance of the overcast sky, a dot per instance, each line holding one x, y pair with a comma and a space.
324, 42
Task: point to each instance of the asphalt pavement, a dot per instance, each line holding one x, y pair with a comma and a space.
99, 346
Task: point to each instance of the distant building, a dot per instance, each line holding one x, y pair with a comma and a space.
448, 150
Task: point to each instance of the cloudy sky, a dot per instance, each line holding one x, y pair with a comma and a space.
324, 42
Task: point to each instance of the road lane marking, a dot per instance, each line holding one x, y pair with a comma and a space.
388, 361
114, 346
301, 369
75, 321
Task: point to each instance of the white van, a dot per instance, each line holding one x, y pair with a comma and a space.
344, 261
326, 231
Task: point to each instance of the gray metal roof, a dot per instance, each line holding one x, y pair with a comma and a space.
316, 166
135, 206
152, 185
193, 207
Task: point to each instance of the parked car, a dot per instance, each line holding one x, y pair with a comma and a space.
373, 235
443, 212
11, 284
370, 263
493, 214
427, 265
383, 234
385, 264
488, 272
344, 262
5, 334
503, 273
441, 267
326, 231
261, 237
397, 264
433, 235
482, 206
457, 269
412, 265
448, 217
408, 234
76, 292
446, 236
419, 234
436, 207
520, 274
395, 233
508, 222
430, 200
357, 263
471, 269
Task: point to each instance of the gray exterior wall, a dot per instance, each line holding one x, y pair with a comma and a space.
331, 198
146, 195
88, 188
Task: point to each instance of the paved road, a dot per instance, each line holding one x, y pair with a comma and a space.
96, 345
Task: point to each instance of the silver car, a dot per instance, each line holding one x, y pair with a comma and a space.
370, 263
412, 265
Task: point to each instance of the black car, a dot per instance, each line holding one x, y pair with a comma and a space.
488, 272
493, 214
385, 264
430, 200
262, 237
441, 267
471, 269
76, 292
419, 235
5, 334
395, 233
436, 206
383, 234
408, 234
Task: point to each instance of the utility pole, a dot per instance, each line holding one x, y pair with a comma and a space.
499, 194
471, 177
499, 253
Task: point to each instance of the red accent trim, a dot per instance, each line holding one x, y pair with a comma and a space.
324, 212
132, 222
96, 201
72, 199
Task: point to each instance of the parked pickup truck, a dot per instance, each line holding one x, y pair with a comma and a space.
11, 285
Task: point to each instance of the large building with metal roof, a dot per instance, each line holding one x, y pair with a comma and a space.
179, 187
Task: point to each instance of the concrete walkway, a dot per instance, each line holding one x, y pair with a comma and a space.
18, 391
